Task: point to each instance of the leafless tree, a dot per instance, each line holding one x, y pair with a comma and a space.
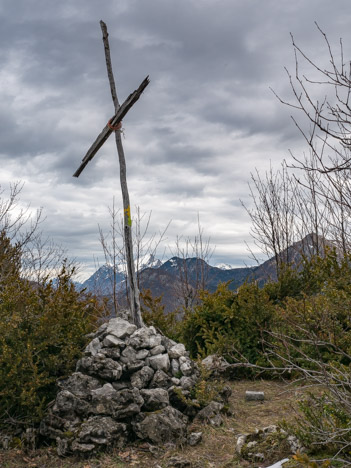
273, 214
337, 201
329, 117
17, 220
193, 257
113, 249
312, 212
42, 259
322, 96
286, 208
145, 244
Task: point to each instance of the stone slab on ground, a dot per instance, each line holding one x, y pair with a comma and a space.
254, 396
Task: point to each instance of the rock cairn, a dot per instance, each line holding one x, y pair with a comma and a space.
130, 384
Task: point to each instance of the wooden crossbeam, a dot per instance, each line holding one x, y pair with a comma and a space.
106, 132
113, 125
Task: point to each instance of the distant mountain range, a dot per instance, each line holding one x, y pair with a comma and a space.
101, 282
168, 279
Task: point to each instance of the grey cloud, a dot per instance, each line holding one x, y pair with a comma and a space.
206, 120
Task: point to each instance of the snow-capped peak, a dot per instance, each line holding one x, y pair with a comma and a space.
224, 266
148, 261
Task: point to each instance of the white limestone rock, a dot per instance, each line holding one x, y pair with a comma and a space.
142, 378
142, 354
79, 384
93, 347
187, 383
167, 342
241, 440
175, 367
119, 328
144, 337
129, 353
279, 464
160, 380
159, 349
112, 340
100, 366
177, 351
186, 367
194, 438
154, 399
106, 391
160, 362
172, 422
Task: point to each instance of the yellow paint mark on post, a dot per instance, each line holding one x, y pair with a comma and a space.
127, 215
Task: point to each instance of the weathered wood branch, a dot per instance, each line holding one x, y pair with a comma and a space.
106, 132
108, 60
134, 299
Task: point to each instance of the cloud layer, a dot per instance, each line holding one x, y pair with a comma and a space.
206, 121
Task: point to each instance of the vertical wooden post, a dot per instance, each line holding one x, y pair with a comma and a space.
128, 242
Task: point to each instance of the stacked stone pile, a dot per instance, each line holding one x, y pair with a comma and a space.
130, 384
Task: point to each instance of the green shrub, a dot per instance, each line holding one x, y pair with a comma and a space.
229, 323
325, 416
290, 283
316, 324
315, 329
10, 258
153, 313
310, 276
207, 388
313, 337
323, 427
42, 334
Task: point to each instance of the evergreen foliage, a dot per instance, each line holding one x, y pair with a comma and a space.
153, 313
10, 258
229, 323
42, 334
302, 323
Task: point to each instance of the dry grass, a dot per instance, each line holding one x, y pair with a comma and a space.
280, 403
217, 449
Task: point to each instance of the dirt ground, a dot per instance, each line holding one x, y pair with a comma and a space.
216, 450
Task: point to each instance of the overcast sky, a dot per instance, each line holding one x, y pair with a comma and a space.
207, 119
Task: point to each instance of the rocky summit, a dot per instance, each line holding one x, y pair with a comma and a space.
129, 384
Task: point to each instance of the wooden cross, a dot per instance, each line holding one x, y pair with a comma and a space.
113, 125
109, 127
